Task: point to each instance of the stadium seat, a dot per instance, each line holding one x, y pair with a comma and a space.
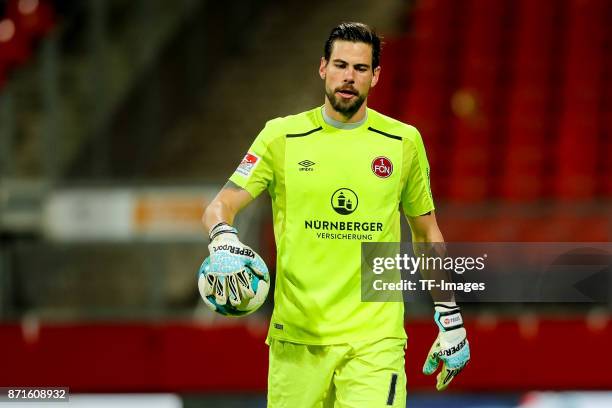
525, 151
34, 19
475, 133
605, 175
471, 161
579, 120
433, 21
3, 76
385, 96
14, 47
531, 120
561, 225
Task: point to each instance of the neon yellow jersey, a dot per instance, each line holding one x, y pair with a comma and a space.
332, 189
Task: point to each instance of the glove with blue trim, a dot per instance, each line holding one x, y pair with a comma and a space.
450, 347
229, 269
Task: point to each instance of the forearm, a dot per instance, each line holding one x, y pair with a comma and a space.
428, 242
225, 206
451, 345
431, 234
216, 212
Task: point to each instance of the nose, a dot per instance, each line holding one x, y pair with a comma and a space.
349, 75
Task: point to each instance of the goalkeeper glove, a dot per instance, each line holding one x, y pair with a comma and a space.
230, 266
451, 346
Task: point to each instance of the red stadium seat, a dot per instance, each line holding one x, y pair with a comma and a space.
563, 226
523, 178
14, 46
605, 175
525, 134
579, 125
433, 21
533, 58
526, 99
34, 19
525, 157
471, 172
385, 96
605, 152
426, 108
3, 75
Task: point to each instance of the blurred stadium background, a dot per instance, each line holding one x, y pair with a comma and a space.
120, 119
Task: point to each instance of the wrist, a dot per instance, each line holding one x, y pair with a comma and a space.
448, 316
445, 306
223, 229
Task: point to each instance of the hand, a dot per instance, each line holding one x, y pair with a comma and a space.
451, 346
229, 267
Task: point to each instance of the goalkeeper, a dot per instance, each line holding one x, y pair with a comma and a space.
337, 175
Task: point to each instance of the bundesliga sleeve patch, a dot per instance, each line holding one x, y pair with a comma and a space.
248, 164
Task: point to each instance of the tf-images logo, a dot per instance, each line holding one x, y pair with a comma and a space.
344, 201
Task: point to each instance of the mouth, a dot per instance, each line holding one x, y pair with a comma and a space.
346, 93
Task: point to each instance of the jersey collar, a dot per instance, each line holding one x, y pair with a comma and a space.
335, 124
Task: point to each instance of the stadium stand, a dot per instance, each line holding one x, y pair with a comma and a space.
512, 100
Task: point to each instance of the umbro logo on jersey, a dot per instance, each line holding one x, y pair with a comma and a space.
306, 165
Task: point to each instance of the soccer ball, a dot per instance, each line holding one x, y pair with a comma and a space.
259, 285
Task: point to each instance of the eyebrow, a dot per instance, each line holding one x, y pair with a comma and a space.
336, 60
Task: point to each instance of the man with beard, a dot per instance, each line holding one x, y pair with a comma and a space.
337, 175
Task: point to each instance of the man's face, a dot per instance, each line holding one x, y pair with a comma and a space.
348, 75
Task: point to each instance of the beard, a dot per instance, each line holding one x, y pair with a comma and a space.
345, 108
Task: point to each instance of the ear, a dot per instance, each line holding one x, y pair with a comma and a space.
375, 76
323, 68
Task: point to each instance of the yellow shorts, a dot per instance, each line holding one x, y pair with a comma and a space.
361, 374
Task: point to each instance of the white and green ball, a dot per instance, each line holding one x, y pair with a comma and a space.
259, 285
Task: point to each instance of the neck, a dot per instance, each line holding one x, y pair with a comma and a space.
335, 115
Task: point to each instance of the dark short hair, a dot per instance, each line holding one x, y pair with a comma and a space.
355, 32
